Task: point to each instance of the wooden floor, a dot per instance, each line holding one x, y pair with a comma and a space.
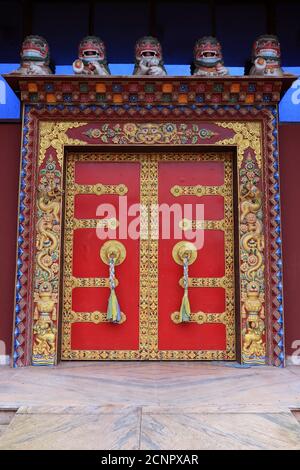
151, 406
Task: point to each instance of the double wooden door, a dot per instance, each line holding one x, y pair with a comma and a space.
131, 196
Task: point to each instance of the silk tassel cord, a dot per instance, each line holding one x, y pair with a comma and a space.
113, 309
185, 309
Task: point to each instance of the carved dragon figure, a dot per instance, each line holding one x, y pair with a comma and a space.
47, 239
47, 242
253, 242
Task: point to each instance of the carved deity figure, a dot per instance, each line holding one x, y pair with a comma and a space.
45, 335
44, 314
253, 340
148, 57
253, 310
35, 57
91, 57
266, 57
208, 59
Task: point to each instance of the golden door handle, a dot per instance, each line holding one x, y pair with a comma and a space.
113, 253
184, 253
113, 249
183, 250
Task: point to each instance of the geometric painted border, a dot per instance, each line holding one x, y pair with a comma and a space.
276, 240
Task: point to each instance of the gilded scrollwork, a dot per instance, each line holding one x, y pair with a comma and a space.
89, 317
197, 190
100, 189
111, 223
47, 263
89, 282
247, 135
53, 137
54, 134
187, 224
150, 133
208, 282
252, 263
201, 318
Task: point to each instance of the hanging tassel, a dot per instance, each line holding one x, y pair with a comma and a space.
185, 309
113, 310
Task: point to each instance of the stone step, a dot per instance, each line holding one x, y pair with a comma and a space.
296, 413
3, 428
6, 416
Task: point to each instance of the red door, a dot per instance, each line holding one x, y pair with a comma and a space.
210, 333
148, 282
86, 334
